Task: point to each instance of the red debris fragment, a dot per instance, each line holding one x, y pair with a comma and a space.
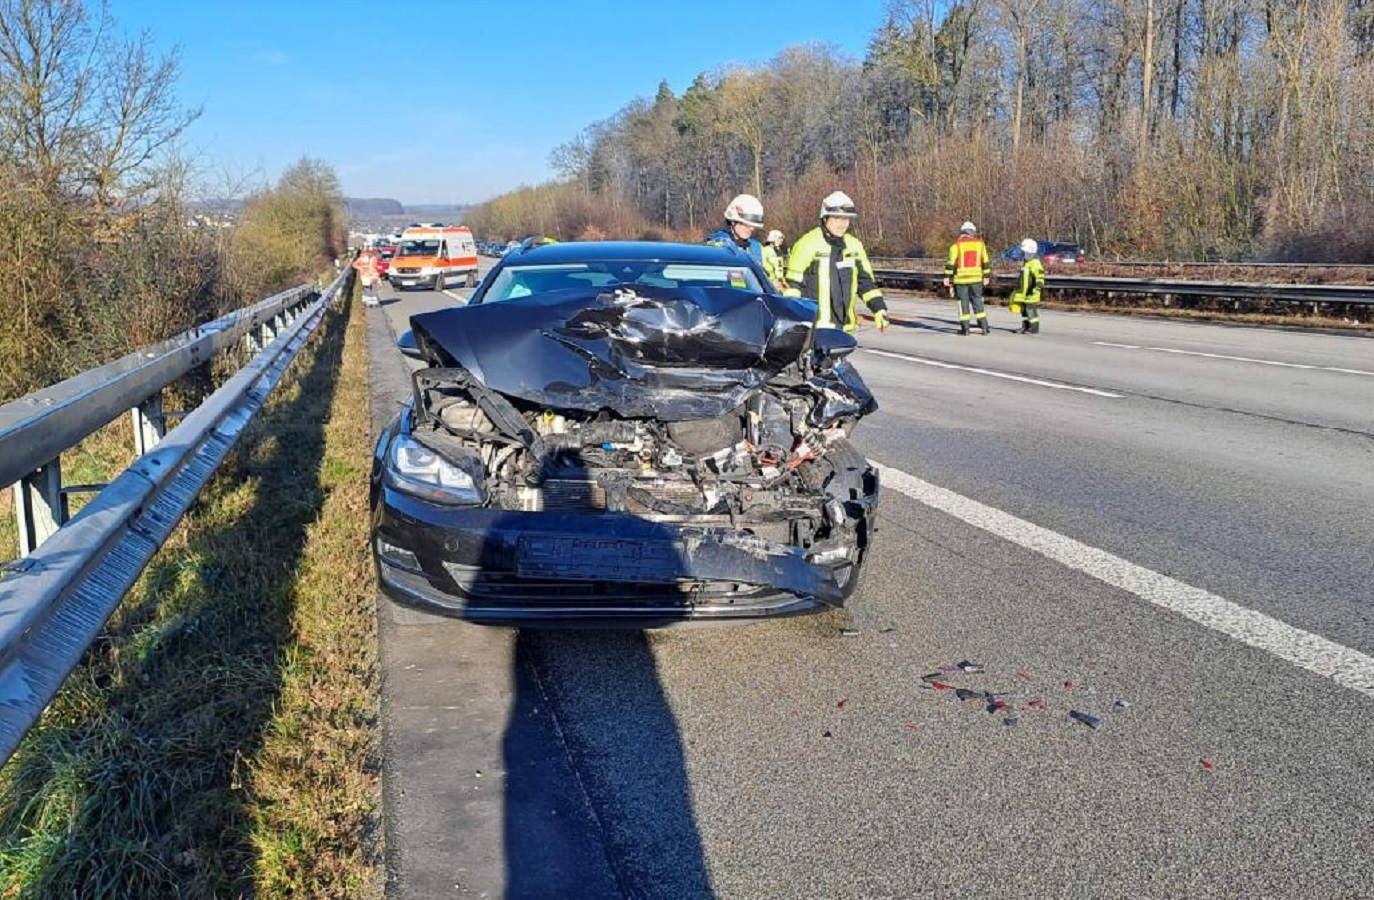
941, 686
841, 704
1209, 765
912, 726
996, 705
1039, 704
1024, 676
1068, 685
796, 714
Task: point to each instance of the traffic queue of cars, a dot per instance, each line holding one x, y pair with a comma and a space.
633, 434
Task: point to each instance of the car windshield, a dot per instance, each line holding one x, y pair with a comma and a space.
514, 282
427, 247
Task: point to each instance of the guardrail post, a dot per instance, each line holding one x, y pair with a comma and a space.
39, 509
150, 424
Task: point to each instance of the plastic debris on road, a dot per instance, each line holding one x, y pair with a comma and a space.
1124, 704
1209, 765
1010, 721
970, 668
1090, 721
967, 694
849, 632
842, 704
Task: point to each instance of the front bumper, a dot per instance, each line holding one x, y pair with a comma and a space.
502, 567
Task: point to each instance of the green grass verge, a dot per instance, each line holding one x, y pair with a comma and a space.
220, 739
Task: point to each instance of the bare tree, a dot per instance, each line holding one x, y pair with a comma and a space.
82, 111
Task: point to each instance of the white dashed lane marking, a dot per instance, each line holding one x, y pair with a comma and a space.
1304, 649
994, 374
1245, 359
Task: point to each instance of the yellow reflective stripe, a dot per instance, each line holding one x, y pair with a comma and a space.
823, 316
872, 295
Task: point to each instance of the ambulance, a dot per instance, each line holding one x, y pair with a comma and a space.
434, 256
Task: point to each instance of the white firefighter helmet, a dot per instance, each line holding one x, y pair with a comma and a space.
1030, 247
745, 209
967, 228
838, 204
775, 237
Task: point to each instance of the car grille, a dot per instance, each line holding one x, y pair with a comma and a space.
499, 589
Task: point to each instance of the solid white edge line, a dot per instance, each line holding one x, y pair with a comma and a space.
1007, 375
1347, 667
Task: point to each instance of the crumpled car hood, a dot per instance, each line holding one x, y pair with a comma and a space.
675, 354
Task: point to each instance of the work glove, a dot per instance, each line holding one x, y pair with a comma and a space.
880, 319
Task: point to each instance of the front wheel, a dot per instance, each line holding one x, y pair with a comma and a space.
438, 283
472, 280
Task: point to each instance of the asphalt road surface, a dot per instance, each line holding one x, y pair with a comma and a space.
1165, 526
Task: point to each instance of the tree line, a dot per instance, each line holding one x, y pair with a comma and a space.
98, 251
1181, 129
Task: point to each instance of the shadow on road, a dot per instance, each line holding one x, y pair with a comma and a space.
589, 707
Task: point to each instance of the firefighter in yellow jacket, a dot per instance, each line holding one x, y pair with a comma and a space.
774, 260
968, 270
829, 264
1027, 293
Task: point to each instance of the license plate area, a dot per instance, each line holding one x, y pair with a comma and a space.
598, 559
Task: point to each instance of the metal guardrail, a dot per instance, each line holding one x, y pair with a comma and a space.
1347, 294
55, 600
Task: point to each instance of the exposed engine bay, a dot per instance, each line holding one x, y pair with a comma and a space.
767, 466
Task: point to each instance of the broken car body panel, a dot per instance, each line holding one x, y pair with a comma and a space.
627, 453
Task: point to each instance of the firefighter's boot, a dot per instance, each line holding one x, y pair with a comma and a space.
1035, 329
963, 329
987, 329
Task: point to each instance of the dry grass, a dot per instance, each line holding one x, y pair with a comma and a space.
220, 738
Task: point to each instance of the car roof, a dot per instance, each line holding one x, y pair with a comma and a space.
592, 251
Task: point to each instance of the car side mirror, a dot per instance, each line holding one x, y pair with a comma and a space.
833, 343
408, 346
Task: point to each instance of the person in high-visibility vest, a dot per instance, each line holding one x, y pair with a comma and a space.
968, 270
775, 260
1027, 293
743, 216
366, 264
830, 264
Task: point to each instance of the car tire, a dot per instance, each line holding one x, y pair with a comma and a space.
472, 280
438, 283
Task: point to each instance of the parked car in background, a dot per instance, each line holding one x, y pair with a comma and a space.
384, 254
624, 433
1051, 253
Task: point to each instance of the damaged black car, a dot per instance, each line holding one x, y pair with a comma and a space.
628, 434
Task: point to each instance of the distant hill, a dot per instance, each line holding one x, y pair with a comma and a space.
367, 208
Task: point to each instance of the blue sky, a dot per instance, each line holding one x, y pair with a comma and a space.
450, 100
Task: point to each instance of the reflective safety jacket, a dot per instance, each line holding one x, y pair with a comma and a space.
724, 238
1032, 280
836, 272
774, 264
968, 261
